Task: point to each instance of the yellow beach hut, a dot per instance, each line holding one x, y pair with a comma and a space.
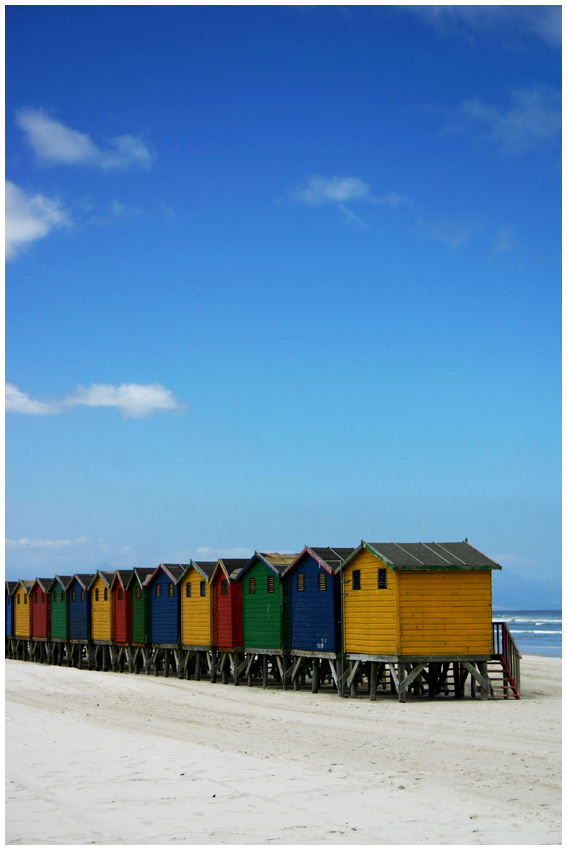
413, 609
22, 609
102, 612
197, 630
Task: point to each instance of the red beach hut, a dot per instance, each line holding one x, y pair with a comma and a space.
39, 600
228, 603
122, 606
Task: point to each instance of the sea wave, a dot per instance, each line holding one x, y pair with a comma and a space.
534, 632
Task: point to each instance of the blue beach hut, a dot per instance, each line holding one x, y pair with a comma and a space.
79, 607
10, 588
315, 610
164, 603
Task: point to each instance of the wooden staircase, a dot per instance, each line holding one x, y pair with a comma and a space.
504, 666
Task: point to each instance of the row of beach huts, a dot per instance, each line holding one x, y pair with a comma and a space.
405, 618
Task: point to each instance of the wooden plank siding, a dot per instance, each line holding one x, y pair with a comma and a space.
446, 612
59, 610
164, 604
197, 622
79, 607
40, 609
102, 610
313, 613
140, 610
122, 606
228, 612
22, 611
265, 615
369, 614
10, 588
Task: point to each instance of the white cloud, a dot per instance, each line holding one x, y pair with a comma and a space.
132, 400
500, 20
324, 190
451, 233
44, 544
30, 217
210, 554
533, 120
53, 142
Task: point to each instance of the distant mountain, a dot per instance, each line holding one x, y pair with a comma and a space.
510, 590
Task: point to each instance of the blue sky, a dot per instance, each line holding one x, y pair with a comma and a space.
281, 275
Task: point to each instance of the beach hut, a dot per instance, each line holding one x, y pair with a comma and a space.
139, 618
40, 608
163, 589
59, 615
79, 612
315, 613
265, 615
197, 624
102, 613
10, 588
417, 608
122, 606
22, 609
228, 603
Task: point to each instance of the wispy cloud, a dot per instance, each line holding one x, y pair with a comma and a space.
210, 554
135, 401
533, 120
53, 142
30, 217
505, 240
44, 544
447, 231
470, 22
328, 190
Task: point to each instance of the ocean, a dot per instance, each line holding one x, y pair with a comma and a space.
534, 632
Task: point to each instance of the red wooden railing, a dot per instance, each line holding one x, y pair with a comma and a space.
503, 644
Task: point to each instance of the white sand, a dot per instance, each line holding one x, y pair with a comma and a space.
121, 759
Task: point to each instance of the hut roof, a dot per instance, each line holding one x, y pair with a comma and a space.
11, 586
44, 583
428, 556
174, 571
142, 574
27, 584
277, 562
231, 567
84, 579
106, 576
205, 568
123, 576
329, 557
64, 581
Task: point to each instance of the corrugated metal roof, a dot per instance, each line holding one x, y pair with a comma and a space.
85, 578
124, 577
44, 583
278, 562
175, 571
332, 557
11, 585
206, 568
64, 581
433, 555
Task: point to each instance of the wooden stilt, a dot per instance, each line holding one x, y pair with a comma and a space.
264, 671
166, 663
315, 677
236, 662
373, 680
483, 670
197, 666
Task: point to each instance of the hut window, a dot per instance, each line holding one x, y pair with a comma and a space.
138, 593
356, 579
223, 587
158, 591
170, 590
300, 582
35, 600
203, 588
43, 597
120, 594
62, 596
18, 598
25, 599
73, 596
270, 584
96, 595
382, 579
82, 595
188, 589
322, 580
251, 585
55, 596
105, 594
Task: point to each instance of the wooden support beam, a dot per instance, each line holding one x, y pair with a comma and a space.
235, 666
393, 675
315, 677
353, 671
264, 671
373, 680
197, 666
334, 673
224, 668
477, 676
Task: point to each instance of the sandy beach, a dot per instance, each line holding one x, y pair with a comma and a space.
121, 759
